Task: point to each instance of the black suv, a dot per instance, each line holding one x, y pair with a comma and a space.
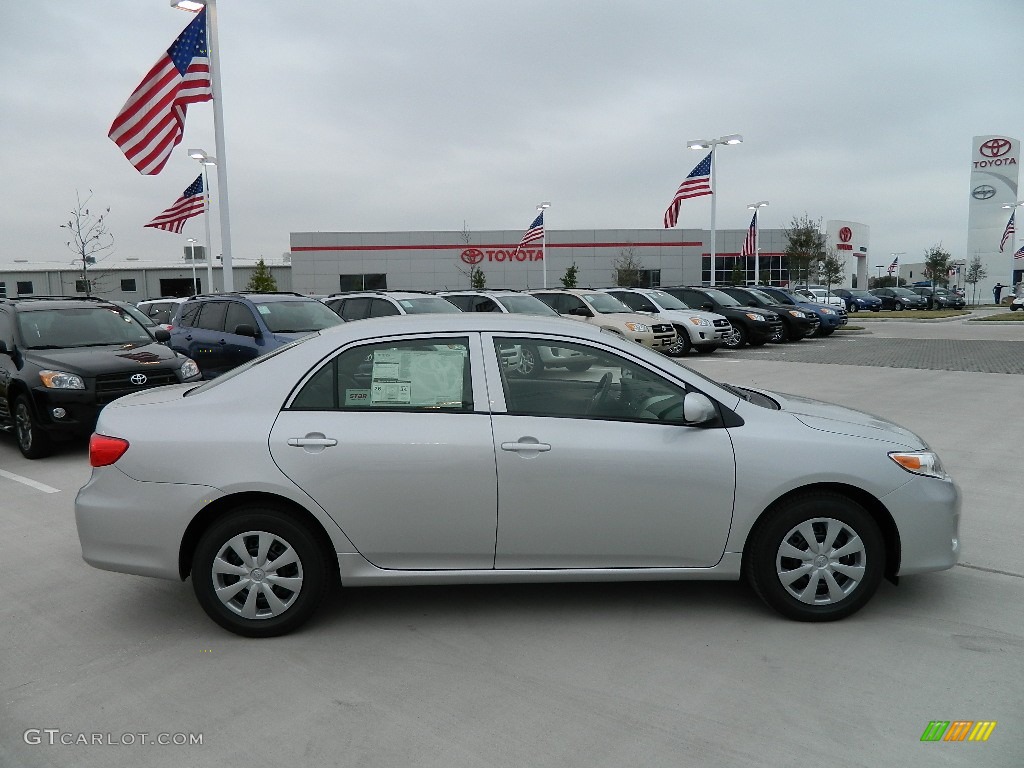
797, 323
63, 358
751, 325
223, 330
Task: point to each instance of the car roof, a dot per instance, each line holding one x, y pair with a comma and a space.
34, 303
466, 322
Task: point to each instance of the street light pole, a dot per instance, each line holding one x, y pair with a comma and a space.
192, 258
206, 161
755, 207
732, 138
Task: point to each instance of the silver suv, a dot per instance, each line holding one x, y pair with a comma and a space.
161, 310
607, 312
360, 305
696, 329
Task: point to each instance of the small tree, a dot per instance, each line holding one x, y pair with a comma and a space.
262, 279
570, 277
477, 278
831, 268
738, 275
628, 268
936, 265
805, 246
975, 274
90, 240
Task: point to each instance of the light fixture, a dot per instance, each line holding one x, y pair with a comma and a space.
729, 138
192, 6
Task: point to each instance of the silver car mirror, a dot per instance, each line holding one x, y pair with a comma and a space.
698, 408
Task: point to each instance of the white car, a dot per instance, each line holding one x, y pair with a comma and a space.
822, 296
161, 311
695, 328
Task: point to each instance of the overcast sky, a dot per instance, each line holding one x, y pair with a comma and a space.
407, 115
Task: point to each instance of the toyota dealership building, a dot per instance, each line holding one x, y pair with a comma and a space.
325, 262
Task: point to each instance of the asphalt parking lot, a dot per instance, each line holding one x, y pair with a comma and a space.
673, 674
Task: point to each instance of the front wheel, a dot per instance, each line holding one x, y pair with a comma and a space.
854, 308
681, 346
33, 442
898, 306
817, 557
738, 338
259, 572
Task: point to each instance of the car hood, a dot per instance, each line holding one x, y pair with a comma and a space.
87, 360
683, 315
840, 420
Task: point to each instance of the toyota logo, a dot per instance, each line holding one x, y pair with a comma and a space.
995, 147
472, 256
984, 192
138, 379
846, 234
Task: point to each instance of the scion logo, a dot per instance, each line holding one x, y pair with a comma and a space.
138, 379
983, 192
472, 256
995, 147
846, 234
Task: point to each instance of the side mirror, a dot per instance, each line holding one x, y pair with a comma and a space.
707, 306
582, 312
751, 303
160, 334
244, 329
698, 409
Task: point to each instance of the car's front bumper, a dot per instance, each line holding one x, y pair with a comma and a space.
927, 515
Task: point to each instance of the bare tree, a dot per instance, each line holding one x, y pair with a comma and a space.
90, 241
976, 272
475, 275
628, 268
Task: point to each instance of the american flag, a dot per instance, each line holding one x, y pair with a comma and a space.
1007, 233
534, 233
152, 121
750, 243
696, 184
1019, 253
191, 203
894, 266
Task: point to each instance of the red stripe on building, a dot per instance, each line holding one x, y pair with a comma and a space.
463, 246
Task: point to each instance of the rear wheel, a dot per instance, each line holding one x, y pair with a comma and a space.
854, 308
259, 572
33, 442
530, 362
818, 557
898, 306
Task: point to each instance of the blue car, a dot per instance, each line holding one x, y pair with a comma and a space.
223, 330
857, 299
830, 317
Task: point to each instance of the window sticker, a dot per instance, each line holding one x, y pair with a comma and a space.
418, 377
263, 309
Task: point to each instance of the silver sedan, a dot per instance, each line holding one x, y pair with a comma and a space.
401, 451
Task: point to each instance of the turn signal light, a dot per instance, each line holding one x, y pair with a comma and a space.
104, 450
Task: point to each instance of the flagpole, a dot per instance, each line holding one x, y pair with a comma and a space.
732, 138
544, 244
206, 221
222, 160
755, 207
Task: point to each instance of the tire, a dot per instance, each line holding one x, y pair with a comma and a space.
797, 578
854, 308
898, 306
33, 442
1013, 307
298, 584
682, 346
705, 350
738, 338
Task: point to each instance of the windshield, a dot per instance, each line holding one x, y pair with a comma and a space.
296, 316
80, 327
722, 298
903, 292
525, 305
666, 300
428, 305
764, 297
604, 303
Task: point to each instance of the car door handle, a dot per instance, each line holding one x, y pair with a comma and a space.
312, 441
526, 445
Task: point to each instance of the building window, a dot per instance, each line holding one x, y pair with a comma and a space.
24, 287
80, 285
638, 278
370, 282
3, 290
128, 285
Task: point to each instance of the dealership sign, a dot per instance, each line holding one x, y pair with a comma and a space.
476, 255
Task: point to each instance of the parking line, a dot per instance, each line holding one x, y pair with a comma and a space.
29, 482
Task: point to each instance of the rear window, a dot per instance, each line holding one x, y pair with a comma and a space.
298, 316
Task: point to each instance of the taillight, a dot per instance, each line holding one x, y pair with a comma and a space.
104, 450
